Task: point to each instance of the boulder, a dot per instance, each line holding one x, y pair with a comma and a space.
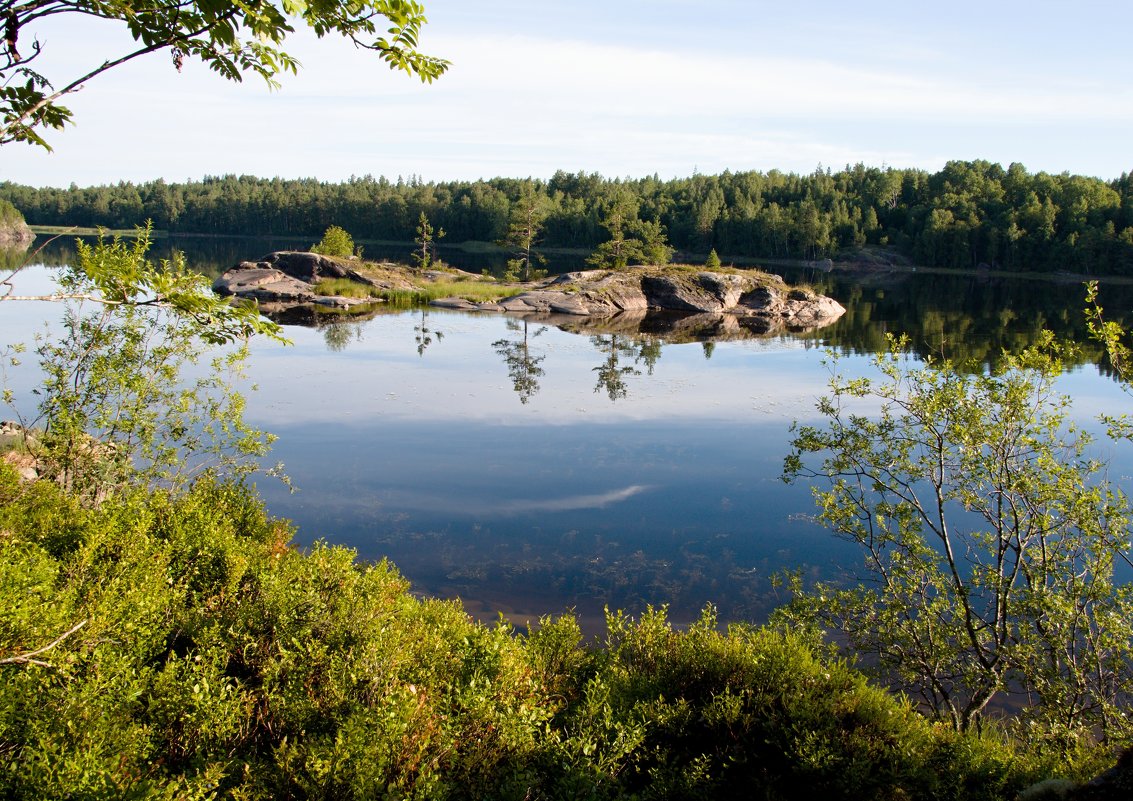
16, 235
1115, 783
704, 292
309, 267
756, 302
261, 283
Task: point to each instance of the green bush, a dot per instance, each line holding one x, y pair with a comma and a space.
195, 654
750, 713
214, 657
10, 216
335, 242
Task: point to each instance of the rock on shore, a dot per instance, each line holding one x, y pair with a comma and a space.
744, 302
288, 278
749, 300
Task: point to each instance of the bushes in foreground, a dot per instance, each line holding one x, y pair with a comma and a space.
208, 658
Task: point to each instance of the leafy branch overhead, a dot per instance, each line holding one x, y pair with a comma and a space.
233, 39
116, 273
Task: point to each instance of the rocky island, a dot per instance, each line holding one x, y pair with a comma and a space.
676, 300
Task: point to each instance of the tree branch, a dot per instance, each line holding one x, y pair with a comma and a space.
29, 657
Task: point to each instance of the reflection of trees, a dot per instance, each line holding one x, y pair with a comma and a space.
612, 373
425, 335
648, 352
709, 347
339, 332
969, 319
13, 257
522, 367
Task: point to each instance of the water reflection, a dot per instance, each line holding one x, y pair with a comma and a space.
611, 372
424, 335
668, 495
522, 367
339, 331
13, 258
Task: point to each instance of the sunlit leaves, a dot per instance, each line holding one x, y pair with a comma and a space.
232, 37
989, 535
131, 392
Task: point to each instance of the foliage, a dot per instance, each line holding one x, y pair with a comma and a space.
631, 240
966, 214
1109, 333
335, 242
525, 228
434, 290
990, 540
713, 261
10, 216
117, 275
214, 660
125, 397
346, 288
426, 241
231, 39
753, 712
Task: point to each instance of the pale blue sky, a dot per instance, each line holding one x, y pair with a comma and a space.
625, 88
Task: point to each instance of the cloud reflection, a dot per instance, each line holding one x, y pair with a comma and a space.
572, 502
481, 508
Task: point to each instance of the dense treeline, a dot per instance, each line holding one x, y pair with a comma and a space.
967, 214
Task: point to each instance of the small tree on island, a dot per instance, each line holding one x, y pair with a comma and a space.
713, 261
524, 228
426, 252
631, 240
335, 242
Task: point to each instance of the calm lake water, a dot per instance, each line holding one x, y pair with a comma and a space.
619, 471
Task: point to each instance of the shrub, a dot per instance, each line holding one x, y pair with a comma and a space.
335, 242
215, 660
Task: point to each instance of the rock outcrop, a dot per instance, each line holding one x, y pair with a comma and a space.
16, 447
677, 301
15, 235
288, 278
699, 302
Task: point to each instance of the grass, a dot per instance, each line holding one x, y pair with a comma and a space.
346, 288
472, 290
469, 290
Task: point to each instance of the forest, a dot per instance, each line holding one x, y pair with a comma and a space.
970, 213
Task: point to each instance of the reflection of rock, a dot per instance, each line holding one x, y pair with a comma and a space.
318, 315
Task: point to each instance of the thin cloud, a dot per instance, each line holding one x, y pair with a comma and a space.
572, 502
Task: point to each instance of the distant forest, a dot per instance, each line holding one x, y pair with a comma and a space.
965, 215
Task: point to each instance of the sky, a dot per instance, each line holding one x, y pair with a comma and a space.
624, 88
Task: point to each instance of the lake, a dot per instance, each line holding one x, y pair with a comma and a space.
530, 470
